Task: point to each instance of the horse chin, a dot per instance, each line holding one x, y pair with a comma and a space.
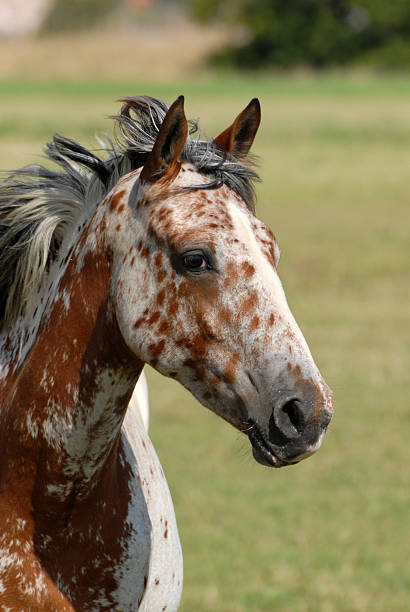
262, 453
264, 456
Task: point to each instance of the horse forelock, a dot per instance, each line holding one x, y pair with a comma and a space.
38, 205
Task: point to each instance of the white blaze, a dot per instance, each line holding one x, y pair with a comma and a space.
268, 277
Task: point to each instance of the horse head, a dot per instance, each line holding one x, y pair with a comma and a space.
196, 291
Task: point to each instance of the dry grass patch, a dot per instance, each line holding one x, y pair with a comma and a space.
330, 534
147, 52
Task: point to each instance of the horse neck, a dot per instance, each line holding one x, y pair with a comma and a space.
68, 399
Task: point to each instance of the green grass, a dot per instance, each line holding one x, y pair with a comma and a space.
331, 534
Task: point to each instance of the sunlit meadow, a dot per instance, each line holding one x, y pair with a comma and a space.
332, 533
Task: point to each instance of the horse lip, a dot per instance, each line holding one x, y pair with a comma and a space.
260, 450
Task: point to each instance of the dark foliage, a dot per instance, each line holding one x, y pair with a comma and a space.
318, 33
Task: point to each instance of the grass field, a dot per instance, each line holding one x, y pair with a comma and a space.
331, 534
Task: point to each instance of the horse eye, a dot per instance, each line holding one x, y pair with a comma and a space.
195, 262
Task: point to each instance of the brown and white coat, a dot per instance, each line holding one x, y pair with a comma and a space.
172, 268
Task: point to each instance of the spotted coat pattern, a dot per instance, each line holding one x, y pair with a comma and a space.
86, 519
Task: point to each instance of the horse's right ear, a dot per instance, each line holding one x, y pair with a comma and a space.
162, 162
237, 139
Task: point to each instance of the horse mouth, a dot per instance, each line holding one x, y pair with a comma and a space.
261, 451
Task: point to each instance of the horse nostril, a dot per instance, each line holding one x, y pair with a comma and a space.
295, 414
287, 421
276, 437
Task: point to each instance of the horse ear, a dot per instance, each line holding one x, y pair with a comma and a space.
237, 139
162, 161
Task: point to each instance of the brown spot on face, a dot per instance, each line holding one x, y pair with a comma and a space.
161, 275
157, 348
161, 297
164, 327
231, 272
138, 322
249, 304
170, 289
158, 259
173, 306
230, 268
248, 269
144, 252
118, 227
154, 317
183, 291
156, 581
254, 323
230, 370
225, 317
132, 262
271, 319
121, 208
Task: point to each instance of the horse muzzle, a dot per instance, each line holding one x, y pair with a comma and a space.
294, 431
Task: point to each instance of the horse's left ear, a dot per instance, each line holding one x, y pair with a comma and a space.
162, 161
237, 139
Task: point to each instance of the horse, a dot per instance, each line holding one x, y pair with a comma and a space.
147, 253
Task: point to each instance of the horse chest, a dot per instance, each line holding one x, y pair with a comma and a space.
159, 571
134, 562
121, 556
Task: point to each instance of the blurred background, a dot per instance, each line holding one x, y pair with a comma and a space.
333, 77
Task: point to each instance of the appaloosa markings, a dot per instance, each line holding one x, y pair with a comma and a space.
119, 500
152, 256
